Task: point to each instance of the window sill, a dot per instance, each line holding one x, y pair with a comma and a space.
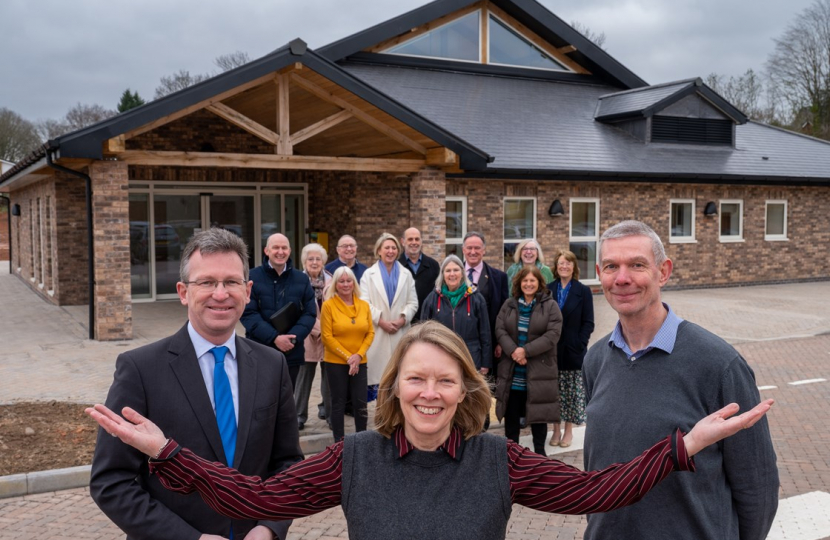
776, 239
682, 240
731, 240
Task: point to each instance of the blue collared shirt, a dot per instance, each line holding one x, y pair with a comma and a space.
414, 265
663, 340
207, 362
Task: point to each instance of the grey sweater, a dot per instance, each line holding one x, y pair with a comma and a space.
425, 495
734, 492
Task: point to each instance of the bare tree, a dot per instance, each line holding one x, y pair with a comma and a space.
82, 115
18, 136
178, 81
51, 128
799, 67
227, 62
598, 39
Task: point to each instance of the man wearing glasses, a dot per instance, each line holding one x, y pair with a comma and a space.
277, 284
347, 256
227, 398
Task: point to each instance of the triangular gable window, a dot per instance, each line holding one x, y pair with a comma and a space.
456, 40
510, 48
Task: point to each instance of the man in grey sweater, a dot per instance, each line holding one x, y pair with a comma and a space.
656, 372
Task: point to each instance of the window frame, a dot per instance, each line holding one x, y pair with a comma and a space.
460, 240
504, 241
775, 237
594, 238
682, 239
564, 69
478, 11
731, 238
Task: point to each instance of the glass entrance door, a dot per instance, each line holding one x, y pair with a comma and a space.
177, 217
235, 213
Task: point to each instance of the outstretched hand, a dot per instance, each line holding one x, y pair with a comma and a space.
133, 429
719, 425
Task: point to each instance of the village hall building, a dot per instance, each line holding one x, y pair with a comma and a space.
493, 116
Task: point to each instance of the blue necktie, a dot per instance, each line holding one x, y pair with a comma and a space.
222, 397
470, 273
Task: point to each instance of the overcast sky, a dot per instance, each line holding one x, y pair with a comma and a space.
57, 53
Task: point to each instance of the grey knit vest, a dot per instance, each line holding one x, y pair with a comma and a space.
425, 495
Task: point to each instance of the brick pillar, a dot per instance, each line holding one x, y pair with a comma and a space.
427, 209
111, 233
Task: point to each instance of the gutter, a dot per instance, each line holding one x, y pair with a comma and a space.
89, 235
9, 216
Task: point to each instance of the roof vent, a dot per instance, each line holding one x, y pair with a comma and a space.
673, 129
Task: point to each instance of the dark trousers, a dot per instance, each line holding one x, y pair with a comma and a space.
340, 383
293, 371
515, 410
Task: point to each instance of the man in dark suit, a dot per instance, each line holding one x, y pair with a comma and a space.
226, 398
424, 268
489, 281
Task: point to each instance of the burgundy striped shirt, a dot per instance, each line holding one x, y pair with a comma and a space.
314, 484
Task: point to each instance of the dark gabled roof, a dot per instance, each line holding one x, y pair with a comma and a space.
88, 142
528, 12
546, 129
645, 102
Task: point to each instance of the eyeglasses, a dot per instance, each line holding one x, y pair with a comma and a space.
231, 285
348, 246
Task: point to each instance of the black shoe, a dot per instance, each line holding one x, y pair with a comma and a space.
541, 451
301, 425
522, 422
321, 414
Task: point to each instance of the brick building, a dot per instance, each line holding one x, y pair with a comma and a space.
492, 115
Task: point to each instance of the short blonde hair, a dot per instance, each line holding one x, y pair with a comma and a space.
517, 256
569, 256
471, 412
331, 291
383, 238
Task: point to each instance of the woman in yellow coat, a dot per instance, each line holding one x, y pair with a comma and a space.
347, 332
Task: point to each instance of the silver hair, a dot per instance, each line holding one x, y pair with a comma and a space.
331, 290
517, 256
307, 251
472, 234
631, 227
213, 240
439, 281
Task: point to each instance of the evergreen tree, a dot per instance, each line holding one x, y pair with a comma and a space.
129, 100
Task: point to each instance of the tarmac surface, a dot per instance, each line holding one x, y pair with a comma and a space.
782, 330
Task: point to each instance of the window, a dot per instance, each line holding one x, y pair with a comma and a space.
682, 221
776, 221
584, 236
506, 46
456, 40
731, 221
519, 224
671, 129
456, 225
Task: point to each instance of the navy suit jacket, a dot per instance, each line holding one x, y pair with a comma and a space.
163, 382
496, 292
577, 325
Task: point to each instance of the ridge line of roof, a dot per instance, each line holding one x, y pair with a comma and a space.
650, 87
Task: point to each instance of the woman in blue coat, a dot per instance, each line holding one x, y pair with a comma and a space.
455, 304
577, 306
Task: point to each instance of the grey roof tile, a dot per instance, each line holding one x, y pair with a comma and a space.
544, 126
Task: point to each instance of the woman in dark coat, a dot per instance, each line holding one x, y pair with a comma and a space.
577, 306
527, 329
455, 304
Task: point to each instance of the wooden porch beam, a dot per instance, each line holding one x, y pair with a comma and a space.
359, 114
566, 49
285, 146
240, 120
441, 157
198, 106
114, 145
319, 127
268, 161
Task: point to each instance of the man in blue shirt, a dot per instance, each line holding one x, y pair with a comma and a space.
656, 373
347, 256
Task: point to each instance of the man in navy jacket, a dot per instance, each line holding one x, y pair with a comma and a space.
276, 283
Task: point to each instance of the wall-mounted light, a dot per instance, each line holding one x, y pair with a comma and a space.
556, 209
710, 210
15, 209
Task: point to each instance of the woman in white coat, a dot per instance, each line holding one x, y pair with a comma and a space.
390, 290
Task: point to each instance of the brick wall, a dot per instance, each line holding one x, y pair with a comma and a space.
427, 195
72, 259
4, 230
